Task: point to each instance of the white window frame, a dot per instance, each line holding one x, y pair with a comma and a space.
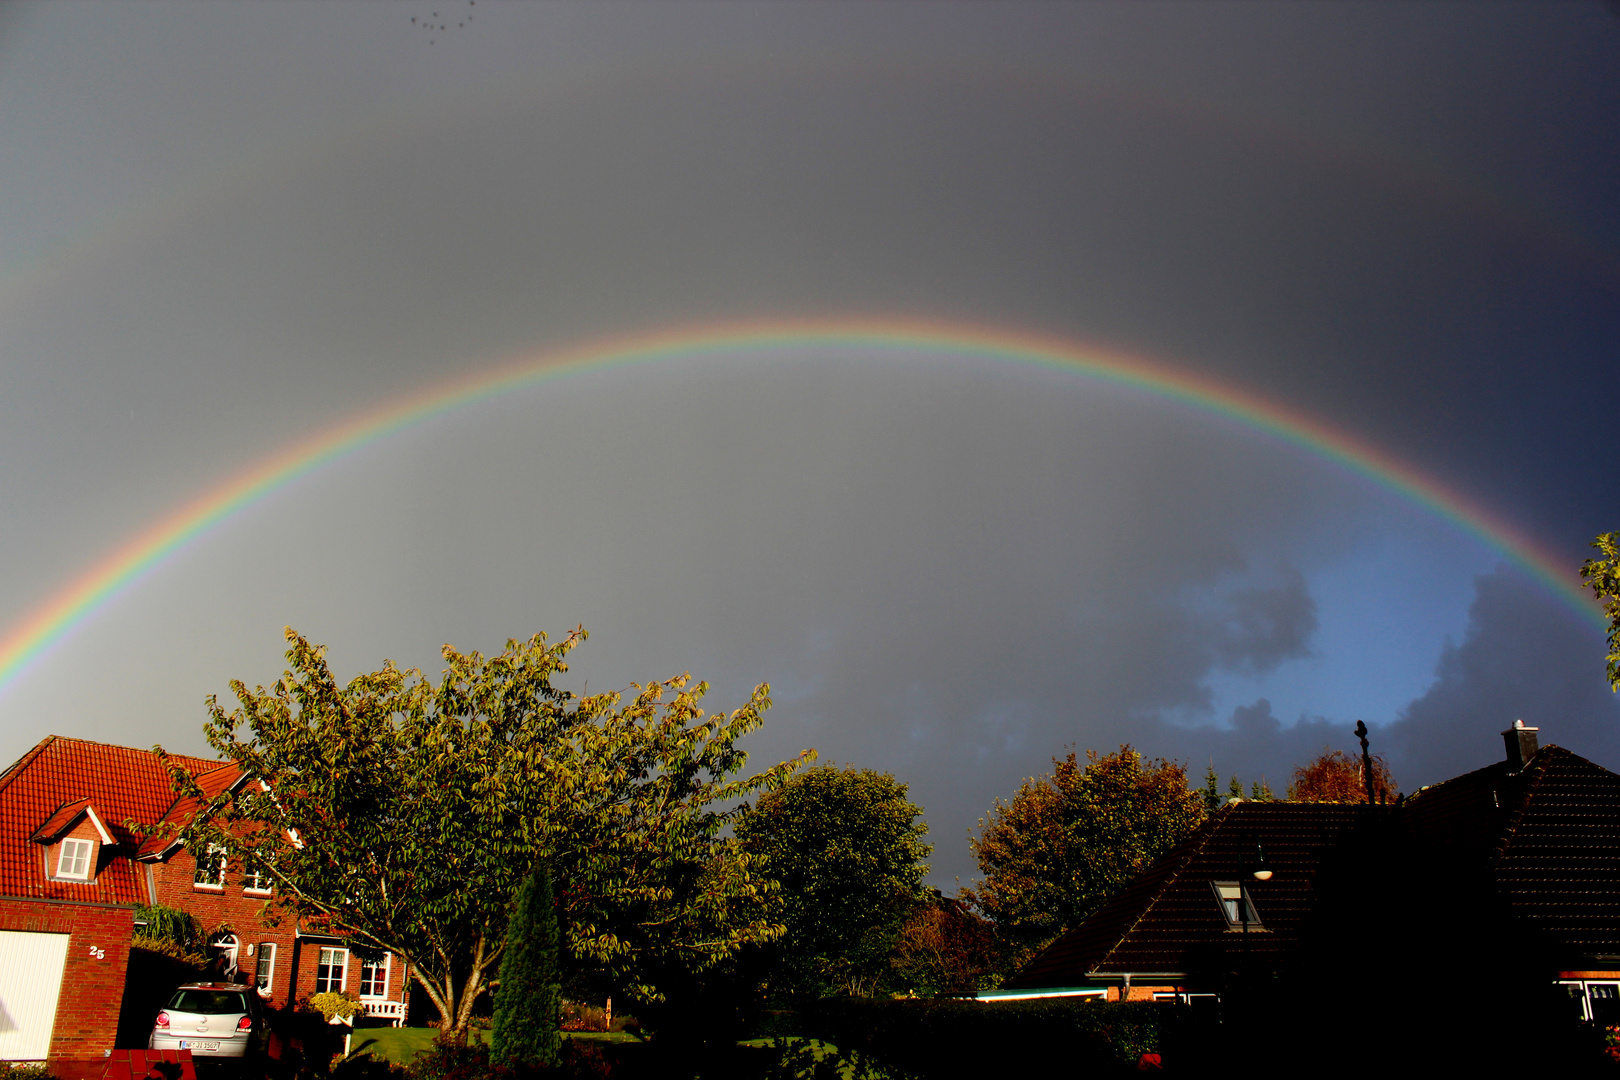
386, 967
251, 875
80, 848
264, 968
343, 979
217, 882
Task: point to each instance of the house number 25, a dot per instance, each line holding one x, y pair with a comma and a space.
99, 954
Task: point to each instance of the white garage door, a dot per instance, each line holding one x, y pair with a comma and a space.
30, 979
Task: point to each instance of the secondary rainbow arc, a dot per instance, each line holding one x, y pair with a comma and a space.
50, 622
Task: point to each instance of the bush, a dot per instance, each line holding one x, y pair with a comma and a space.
167, 924
949, 1038
33, 1070
332, 1005
451, 1060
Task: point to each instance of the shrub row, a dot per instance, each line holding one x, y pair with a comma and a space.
943, 1038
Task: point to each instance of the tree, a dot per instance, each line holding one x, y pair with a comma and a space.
403, 816
847, 846
1336, 777
528, 1001
1069, 841
944, 947
1602, 576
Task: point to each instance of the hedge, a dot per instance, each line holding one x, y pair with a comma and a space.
941, 1038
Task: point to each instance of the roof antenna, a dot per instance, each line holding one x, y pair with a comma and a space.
1366, 761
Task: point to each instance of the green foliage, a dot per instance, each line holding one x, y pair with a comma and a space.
1212, 790
171, 925
403, 815
847, 846
948, 1038
25, 1070
1602, 576
334, 1005
1068, 842
1260, 791
528, 1002
945, 947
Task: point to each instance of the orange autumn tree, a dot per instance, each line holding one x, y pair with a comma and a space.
1336, 777
1069, 841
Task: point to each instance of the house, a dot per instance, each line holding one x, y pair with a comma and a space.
1198, 911
1543, 827
1514, 864
72, 872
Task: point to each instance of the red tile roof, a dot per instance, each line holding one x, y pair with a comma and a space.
212, 782
60, 822
122, 783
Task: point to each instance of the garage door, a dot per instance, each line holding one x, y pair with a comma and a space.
30, 979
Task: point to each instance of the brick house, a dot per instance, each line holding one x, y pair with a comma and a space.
72, 873
1521, 857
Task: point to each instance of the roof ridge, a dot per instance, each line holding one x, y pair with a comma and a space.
1189, 851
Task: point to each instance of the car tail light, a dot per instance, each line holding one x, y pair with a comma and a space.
245, 1024
163, 1019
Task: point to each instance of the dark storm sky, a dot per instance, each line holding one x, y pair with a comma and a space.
228, 226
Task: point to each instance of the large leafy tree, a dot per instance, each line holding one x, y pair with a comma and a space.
847, 846
404, 814
1602, 576
1068, 841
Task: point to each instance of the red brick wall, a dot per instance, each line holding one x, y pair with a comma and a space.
239, 910
93, 977
232, 908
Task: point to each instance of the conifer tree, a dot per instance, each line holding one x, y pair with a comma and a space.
528, 1000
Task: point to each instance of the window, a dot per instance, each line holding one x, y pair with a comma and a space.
374, 979
211, 868
1230, 894
1604, 1000
265, 969
330, 971
74, 861
254, 879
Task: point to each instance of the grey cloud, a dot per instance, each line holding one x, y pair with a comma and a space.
1523, 658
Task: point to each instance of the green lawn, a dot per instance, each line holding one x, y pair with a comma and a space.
401, 1044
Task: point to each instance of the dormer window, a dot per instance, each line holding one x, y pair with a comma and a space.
75, 859
1236, 906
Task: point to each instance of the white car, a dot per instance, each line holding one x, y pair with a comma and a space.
212, 1020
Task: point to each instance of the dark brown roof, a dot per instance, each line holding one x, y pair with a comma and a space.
1551, 836
122, 783
1170, 916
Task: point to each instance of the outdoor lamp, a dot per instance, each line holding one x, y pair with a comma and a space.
1262, 869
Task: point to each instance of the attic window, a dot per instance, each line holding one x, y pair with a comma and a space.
1230, 894
75, 858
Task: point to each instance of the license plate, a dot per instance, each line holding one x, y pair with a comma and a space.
193, 1044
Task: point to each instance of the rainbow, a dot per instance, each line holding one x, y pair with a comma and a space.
54, 619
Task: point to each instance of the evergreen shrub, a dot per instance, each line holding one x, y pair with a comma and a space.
528, 1001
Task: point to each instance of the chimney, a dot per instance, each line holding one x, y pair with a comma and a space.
1521, 745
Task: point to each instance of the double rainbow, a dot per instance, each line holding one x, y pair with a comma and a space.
93, 590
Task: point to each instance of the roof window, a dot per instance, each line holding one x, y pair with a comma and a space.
75, 859
1236, 905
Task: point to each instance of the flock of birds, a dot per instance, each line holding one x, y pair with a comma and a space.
435, 24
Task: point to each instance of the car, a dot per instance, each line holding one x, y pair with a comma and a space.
225, 1020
